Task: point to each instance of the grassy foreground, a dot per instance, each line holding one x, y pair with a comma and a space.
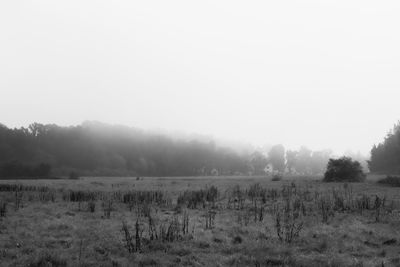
198, 221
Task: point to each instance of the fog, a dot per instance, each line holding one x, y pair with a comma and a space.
318, 73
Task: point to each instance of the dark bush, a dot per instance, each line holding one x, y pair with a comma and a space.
73, 175
3, 208
391, 180
237, 240
91, 206
276, 177
198, 197
344, 169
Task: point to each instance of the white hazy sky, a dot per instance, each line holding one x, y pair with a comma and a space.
325, 74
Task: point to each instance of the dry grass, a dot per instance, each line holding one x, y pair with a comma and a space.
57, 232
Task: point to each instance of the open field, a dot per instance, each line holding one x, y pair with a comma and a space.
198, 221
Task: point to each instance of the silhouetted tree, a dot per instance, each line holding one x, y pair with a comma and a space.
258, 163
385, 157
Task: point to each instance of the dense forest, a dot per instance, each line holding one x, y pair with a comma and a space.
97, 149
385, 157
100, 149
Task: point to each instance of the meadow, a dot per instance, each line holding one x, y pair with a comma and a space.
198, 221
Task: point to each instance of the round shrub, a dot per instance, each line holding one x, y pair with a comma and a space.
73, 175
344, 170
277, 177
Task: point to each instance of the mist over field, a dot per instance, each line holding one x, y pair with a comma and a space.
199, 133
98, 149
321, 74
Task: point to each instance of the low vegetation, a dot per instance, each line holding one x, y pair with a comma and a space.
204, 222
390, 180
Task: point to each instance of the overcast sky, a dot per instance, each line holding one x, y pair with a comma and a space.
325, 74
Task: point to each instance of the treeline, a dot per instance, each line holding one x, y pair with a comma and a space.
385, 157
97, 149
301, 162
100, 149
16, 169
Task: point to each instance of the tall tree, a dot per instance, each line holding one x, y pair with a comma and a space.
276, 156
303, 161
291, 158
258, 163
319, 161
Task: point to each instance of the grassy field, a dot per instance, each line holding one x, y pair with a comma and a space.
198, 221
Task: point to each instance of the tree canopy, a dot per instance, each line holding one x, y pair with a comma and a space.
307, 162
385, 157
101, 149
94, 148
276, 157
